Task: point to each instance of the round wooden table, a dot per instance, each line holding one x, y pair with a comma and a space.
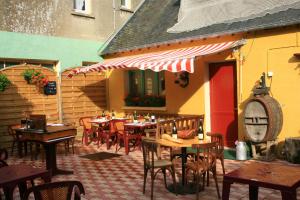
183, 144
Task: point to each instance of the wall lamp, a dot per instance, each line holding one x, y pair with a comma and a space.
182, 79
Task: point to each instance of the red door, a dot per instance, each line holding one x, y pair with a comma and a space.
223, 101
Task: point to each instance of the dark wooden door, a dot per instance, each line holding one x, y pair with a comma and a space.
223, 101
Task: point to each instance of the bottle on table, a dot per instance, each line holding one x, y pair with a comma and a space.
174, 130
135, 120
113, 116
152, 118
103, 114
200, 131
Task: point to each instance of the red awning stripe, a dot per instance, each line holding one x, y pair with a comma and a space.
172, 60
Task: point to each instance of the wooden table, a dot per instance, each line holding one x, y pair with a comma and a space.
49, 139
183, 145
139, 127
283, 177
13, 175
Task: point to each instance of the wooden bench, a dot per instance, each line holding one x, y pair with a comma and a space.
183, 122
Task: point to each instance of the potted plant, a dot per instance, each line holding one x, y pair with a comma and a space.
4, 82
33, 76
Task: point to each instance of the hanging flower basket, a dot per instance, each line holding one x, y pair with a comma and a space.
33, 76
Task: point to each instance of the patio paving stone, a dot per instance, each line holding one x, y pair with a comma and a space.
122, 177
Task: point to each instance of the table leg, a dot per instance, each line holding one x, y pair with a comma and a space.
183, 162
22, 188
50, 150
289, 194
253, 192
226, 189
20, 147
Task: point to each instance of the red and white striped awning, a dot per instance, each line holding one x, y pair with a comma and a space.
175, 60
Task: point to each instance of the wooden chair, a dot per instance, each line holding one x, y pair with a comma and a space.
3, 157
126, 136
56, 190
155, 165
87, 129
219, 154
218, 138
17, 139
204, 162
109, 135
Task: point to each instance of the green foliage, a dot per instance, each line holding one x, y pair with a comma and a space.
32, 75
4, 82
145, 101
27, 74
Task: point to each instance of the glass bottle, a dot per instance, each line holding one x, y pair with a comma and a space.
103, 114
174, 130
152, 118
135, 117
200, 131
113, 116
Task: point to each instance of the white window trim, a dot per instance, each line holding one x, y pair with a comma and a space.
127, 5
88, 8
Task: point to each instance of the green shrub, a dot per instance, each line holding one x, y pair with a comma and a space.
4, 82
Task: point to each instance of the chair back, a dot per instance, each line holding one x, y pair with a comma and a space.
184, 122
3, 156
218, 138
118, 125
11, 130
149, 147
205, 157
86, 122
56, 191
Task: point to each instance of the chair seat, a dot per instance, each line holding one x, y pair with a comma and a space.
161, 163
193, 166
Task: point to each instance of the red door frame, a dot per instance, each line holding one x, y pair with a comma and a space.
223, 100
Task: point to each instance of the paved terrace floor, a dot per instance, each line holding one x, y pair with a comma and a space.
122, 177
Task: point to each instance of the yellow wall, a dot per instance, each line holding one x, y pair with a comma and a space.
274, 50
268, 50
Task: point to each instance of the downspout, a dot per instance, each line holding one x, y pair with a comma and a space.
241, 60
109, 37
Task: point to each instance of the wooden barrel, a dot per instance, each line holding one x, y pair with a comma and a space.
262, 119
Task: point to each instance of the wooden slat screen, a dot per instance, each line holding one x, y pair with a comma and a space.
22, 99
82, 95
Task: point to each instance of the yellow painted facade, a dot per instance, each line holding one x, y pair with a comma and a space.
264, 51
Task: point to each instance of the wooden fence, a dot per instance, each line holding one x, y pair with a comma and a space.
22, 99
80, 96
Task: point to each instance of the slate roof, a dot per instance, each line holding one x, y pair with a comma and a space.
149, 24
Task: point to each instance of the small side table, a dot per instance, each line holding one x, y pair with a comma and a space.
283, 177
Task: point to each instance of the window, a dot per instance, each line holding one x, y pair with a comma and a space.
145, 88
126, 4
82, 6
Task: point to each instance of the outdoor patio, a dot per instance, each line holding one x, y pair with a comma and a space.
122, 177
